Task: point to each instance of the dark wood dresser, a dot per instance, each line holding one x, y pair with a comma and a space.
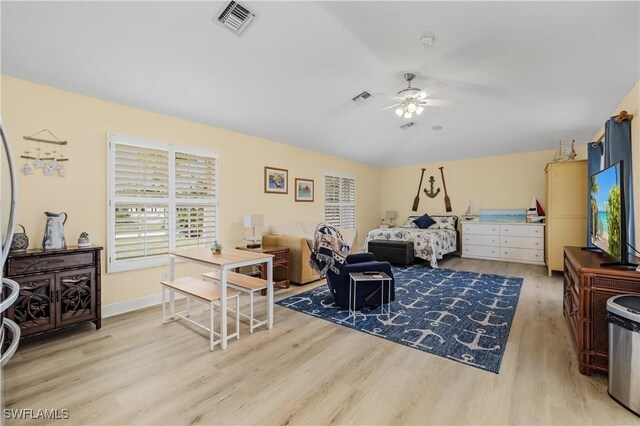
58, 288
587, 287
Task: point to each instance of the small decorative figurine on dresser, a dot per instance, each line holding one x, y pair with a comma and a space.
216, 247
84, 240
54, 232
20, 241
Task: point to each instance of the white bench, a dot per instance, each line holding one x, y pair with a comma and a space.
203, 291
245, 284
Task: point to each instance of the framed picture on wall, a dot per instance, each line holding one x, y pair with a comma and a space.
276, 181
304, 189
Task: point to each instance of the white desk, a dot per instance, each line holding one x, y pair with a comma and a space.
228, 259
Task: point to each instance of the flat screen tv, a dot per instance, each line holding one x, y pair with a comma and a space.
608, 220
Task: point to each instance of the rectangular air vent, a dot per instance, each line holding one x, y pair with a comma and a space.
407, 125
361, 97
236, 18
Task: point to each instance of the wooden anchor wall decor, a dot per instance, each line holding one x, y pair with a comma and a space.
431, 193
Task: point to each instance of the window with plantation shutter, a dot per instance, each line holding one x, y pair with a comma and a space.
195, 200
340, 201
161, 198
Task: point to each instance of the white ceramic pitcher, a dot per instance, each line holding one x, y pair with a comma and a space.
54, 232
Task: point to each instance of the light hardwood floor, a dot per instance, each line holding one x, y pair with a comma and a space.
309, 371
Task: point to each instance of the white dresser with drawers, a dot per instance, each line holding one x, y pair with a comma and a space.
504, 241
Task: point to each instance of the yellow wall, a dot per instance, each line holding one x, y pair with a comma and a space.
85, 122
631, 104
508, 181
502, 182
491, 182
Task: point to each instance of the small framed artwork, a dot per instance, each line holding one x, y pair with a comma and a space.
276, 181
304, 189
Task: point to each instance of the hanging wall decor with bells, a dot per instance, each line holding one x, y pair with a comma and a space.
48, 155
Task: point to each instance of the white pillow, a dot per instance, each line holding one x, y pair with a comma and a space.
409, 222
443, 222
349, 236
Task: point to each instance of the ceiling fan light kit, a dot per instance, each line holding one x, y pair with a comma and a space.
412, 100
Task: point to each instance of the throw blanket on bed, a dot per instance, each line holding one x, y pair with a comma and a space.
329, 251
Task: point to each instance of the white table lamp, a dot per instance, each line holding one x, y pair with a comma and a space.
253, 221
390, 215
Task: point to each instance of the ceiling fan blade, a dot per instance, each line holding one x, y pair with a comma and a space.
431, 89
389, 107
384, 95
438, 102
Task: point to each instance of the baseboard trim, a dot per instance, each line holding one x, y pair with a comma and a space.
133, 305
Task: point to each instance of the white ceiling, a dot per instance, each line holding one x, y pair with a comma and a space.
525, 73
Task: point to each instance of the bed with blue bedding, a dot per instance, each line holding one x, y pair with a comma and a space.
430, 244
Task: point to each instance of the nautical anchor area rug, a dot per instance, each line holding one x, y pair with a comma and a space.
461, 316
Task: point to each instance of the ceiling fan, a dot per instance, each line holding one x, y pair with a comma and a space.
412, 100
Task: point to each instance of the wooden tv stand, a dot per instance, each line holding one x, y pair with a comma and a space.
587, 287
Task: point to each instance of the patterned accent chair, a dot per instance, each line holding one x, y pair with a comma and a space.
296, 236
368, 293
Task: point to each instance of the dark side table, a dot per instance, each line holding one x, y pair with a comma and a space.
280, 265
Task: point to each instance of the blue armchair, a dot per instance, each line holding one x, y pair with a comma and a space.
361, 262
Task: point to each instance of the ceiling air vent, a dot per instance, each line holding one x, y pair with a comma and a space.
236, 18
407, 125
361, 97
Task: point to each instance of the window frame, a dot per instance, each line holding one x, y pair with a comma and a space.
172, 200
341, 203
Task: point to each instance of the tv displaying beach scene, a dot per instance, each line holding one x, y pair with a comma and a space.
606, 210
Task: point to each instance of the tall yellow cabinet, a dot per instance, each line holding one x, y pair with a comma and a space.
566, 214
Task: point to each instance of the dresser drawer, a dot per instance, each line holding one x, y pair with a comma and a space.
522, 242
481, 251
522, 230
30, 265
480, 229
480, 240
526, 255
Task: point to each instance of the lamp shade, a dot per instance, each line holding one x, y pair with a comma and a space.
253, 220
390, 214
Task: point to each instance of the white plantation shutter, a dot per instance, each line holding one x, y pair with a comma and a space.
195, 226
161, 198
195, 200
141, 230
195, 176
141, 172
340, 201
